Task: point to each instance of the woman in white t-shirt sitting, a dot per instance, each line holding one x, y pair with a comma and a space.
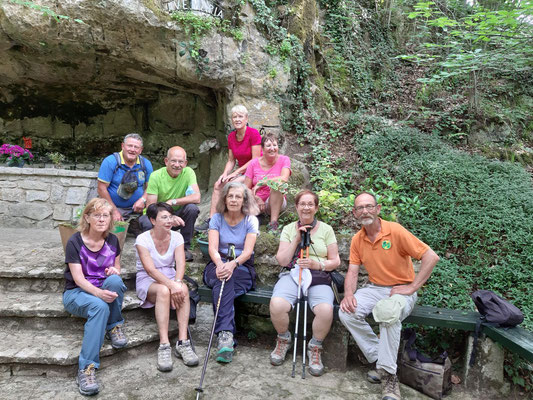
160, 271
232, 234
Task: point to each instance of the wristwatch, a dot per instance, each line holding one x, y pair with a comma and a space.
173, 202
322, 266
237, 264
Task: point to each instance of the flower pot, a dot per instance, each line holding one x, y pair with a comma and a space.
16, 162
204, 247
120, 230
66, 231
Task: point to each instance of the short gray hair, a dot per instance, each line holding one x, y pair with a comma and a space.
249, 205
135, 136
239, 108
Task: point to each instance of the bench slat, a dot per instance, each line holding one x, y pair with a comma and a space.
518, 340
444, 318
257, 296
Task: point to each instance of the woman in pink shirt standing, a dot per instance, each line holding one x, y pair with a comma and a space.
244, 144
271, 166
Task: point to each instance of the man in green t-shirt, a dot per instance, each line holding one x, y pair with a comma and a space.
176, 185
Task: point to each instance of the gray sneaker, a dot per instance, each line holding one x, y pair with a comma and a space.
277, 357
86, 380
117, 337
390, 387
164, 358
316, 368
373, 376
225, 347
203, 227
185, 352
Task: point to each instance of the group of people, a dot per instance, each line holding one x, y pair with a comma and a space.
168, 197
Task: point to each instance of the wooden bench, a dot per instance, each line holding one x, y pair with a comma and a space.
517, 340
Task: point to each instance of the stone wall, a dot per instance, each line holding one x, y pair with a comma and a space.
42, 197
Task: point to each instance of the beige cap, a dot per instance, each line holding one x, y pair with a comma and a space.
389, 310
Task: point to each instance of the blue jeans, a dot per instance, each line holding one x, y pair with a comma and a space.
241, 281
101, 317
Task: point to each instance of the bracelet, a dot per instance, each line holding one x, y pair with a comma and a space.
144, 200
237, 264
179, 281
322, 266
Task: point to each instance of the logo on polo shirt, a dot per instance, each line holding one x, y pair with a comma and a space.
386, 244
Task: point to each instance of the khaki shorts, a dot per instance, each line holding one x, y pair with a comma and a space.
287, 289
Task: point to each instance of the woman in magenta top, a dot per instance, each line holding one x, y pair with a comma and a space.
244, 144
274, 167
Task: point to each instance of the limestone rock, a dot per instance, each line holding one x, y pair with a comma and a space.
37, 195
81, 86
76, 195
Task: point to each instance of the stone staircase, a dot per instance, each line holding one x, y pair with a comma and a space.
37, 336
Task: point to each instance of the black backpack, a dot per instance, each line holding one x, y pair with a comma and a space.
495, 311
129, 183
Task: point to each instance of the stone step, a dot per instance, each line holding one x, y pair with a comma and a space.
46, 304
54, 349
61, 347
29, 278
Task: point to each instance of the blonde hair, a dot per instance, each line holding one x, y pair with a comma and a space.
94, 205
239, 108
249, 205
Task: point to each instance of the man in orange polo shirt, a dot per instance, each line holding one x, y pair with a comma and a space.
385, 249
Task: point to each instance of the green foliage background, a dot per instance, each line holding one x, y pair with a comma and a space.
393, 97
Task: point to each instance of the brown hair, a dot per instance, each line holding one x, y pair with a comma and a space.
269, 137
94, 205
303, 193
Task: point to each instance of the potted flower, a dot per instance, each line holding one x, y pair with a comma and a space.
14, 156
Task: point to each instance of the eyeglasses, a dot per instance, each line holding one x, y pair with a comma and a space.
179, 162
368, 207
306, 205
100, 216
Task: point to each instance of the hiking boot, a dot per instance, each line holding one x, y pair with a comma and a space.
373, 376
134, 228
186, 353
117, 337
390, 387
164, 358
204, 226
277, 357
273, 228
225, 347
316, 368
86, 380
188, 255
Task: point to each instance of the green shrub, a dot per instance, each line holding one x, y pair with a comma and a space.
475, 213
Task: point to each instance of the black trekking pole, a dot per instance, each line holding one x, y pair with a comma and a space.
231, 253
190, 338
302, 246
307, 235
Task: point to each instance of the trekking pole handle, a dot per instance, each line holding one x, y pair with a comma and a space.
307, 238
